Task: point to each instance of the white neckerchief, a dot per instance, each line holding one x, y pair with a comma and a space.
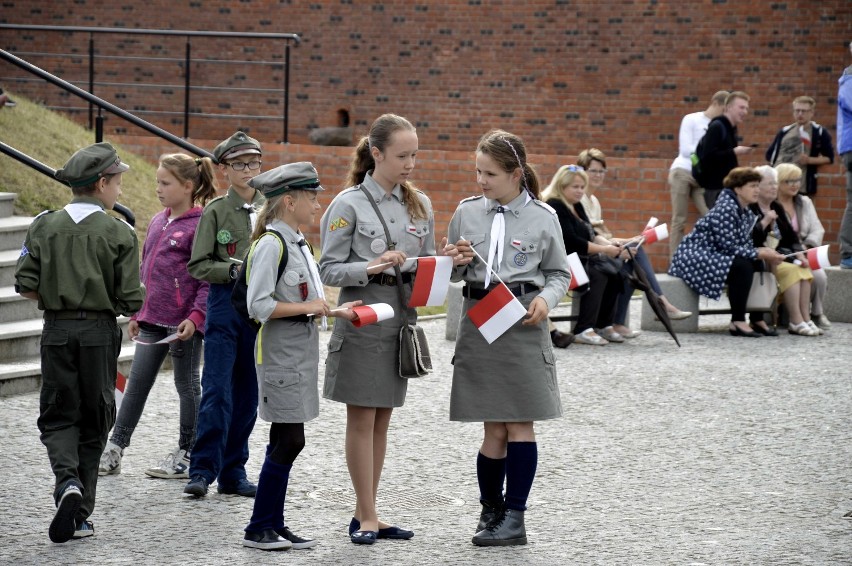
315, 276
252, 214
498, 234
79, 211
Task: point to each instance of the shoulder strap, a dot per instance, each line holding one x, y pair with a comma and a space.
283, 254
390, 247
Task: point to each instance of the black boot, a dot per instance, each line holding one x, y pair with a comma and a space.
507, 529
490, 511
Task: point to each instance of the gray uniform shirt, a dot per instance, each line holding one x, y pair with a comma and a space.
352, 234
533, 248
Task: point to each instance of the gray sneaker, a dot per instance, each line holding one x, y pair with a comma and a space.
175, 466
111, 460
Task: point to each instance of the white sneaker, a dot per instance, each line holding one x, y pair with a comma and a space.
111, 460
175, 466
815, 328
822, 321
802, 329
589, 337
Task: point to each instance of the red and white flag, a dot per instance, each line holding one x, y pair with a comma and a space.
805, 136
496, 312
818, 258
656, 234
120, 384
651, 223
578, 272
370, 314
432, 281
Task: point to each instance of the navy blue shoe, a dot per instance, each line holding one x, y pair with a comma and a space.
84, 529
243, 487
63, 525
197, 486
354, 525
363, 537
395, 533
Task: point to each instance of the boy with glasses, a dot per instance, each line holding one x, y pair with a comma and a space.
228, 407
804, 143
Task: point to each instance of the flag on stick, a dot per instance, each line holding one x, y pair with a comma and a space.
370, 314
578, 273
656, 234
651, 223
805, 136
496, 312
432, 281
818, 258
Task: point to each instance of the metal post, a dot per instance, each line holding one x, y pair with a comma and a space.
99, 126
91, 75
186, 89
287, 92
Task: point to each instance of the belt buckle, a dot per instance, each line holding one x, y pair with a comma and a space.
81, 315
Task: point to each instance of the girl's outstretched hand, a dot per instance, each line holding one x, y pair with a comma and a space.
346, 311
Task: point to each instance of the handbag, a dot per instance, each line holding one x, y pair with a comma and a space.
414, 358
764, 289
605, 264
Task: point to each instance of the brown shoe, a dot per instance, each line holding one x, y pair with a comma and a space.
561, 340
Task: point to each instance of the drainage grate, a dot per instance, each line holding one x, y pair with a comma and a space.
398, 499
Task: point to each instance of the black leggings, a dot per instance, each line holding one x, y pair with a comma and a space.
739, 285
286, 440
597, 306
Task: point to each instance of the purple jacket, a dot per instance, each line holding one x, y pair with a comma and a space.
172, 295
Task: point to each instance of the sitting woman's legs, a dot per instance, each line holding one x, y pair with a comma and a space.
739, 285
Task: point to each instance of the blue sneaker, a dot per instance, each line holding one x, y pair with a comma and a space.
63, 525
197, 486
243, 487
846, 263
84, 529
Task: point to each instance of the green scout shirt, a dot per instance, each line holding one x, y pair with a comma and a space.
80, 258
223, 234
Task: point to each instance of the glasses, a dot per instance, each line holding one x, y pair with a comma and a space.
792, 182
575, 168
241, 165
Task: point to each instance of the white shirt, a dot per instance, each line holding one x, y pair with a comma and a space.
692, 129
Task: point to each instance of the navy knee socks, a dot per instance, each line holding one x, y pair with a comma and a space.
491, 473
268, 510
521, 462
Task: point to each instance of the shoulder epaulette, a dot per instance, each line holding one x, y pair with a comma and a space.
123, 221
349, 190
470, 199
42, 213
545, 206
211, 201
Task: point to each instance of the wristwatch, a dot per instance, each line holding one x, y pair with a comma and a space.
233, 272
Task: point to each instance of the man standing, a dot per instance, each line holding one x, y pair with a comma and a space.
804, 143
844, 149
718, 151
682, 184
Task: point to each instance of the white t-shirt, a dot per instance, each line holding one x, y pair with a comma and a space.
692, 129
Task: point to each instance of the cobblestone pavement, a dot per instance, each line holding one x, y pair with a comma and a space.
725, 451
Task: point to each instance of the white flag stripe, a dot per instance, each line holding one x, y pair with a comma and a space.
502, 320
383, 310
578, 272
441, 282
651, 223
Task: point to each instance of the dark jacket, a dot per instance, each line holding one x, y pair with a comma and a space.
716, 153
788, 238
820, 145
575, 231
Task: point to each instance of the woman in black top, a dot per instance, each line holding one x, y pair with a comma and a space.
597, 306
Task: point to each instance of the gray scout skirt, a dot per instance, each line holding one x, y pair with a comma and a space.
286, 355
362, 367
511, 380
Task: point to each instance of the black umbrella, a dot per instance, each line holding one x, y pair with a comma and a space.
639, 280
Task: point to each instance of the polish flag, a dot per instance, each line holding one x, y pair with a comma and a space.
578, 273
369, 314
120, 384
818, 258
656, 234
805, 136
496, 312
651, 223
432, 281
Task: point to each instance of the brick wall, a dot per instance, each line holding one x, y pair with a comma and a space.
636, 187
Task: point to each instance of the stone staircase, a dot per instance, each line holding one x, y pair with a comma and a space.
20, 319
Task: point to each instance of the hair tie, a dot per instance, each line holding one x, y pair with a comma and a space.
197, 161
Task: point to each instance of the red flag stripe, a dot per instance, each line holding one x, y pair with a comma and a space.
499, 297
423, 282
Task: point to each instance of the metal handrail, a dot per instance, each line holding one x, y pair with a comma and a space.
286, 37
65, 85
51, 172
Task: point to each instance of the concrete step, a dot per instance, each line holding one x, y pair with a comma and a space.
14, 307
13, 230
8, 261
24, 375
7, 204
21, 339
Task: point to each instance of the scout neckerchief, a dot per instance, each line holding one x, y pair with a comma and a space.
315, 276
252, 214
498, 234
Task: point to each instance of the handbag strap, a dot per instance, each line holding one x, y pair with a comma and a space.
391, 245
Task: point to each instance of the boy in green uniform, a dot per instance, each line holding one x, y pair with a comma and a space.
228, 407
82, 266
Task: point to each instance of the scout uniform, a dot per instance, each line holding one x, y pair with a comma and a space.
84, 266
362, 367
286, 351
228, 407
513, 379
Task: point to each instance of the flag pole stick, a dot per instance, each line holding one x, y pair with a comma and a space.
494, 273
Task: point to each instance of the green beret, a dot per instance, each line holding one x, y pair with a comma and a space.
236, 145
89, 164
301, 176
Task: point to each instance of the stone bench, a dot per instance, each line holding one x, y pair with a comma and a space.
838, 297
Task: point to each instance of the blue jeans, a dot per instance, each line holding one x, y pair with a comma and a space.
624, 298
228, 393
147, 361
846, 223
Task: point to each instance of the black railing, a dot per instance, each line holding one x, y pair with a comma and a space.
49, 172
186, 61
